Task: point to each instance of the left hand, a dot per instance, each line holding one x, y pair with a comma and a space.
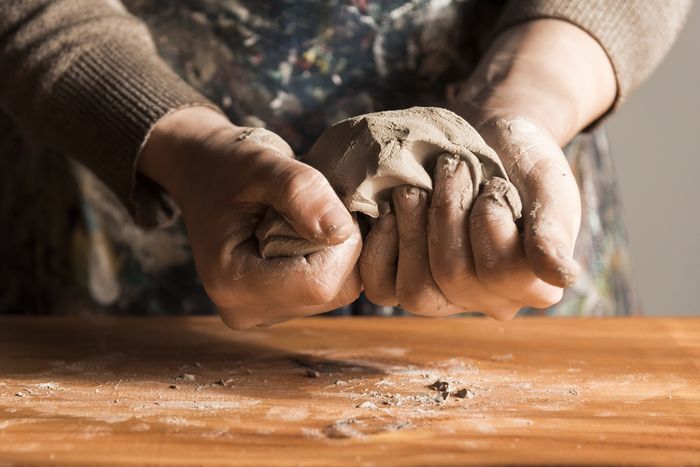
539, 85
225, 178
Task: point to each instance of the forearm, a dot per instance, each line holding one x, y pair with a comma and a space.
174, 147
635, 34
83, 77
549, 71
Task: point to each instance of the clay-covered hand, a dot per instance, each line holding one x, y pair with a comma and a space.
442, 252
457, 254
224, 179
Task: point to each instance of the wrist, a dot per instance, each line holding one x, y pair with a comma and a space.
175, 141
549, 71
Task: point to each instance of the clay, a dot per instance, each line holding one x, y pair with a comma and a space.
365, 157
440, 385
277, 238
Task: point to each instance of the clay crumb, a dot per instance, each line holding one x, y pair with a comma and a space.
340, 382
439, 385
366, 405
311, 373
50, 386
245, 134
464, 393
186, 377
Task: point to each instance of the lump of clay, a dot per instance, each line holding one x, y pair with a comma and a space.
365, 157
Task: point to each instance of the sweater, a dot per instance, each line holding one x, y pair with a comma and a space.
85, 78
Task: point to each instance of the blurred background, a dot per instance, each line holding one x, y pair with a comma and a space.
655, 140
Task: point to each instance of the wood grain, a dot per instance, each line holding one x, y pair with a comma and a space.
187, 391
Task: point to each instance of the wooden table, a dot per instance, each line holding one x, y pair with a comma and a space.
349, 391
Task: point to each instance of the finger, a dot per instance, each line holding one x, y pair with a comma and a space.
243, 277
449, 247
498, 251
306, 200
551, 202
245, 317
380, 253
415, 287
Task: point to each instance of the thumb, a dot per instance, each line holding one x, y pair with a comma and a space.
539, 170
552, 218
303, 196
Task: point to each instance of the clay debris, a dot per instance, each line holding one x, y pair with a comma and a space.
445, 390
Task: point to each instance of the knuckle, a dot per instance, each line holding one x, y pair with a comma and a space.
237, 321
351, 295
502, 313
452, 289
409, 300
322, 291
417, 302
381, 297
295, 181
449, 275
223, 288
291, 183
349, 292
546, 299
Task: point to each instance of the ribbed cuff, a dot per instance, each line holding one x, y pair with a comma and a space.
636, 34
108, 100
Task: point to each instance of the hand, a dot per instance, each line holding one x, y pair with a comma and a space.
224, 178
539, 85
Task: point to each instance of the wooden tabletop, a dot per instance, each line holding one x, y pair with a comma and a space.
349, 391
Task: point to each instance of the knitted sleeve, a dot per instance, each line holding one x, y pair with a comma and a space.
83, 76
636, 34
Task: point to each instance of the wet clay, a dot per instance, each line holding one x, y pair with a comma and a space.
365, 157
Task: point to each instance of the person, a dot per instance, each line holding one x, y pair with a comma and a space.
155, 107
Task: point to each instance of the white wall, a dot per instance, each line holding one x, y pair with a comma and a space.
655, 140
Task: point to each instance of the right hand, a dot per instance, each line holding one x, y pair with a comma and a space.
438, 255
224, 178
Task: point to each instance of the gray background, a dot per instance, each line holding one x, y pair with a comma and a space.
655, 140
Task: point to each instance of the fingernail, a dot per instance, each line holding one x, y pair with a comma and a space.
336, 222
447, 163
411, 197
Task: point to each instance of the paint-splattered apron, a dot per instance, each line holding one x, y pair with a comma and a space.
294, 66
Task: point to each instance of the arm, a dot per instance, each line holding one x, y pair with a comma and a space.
83, 76
635, 34
542, 80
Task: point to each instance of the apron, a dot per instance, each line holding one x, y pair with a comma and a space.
294, 67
